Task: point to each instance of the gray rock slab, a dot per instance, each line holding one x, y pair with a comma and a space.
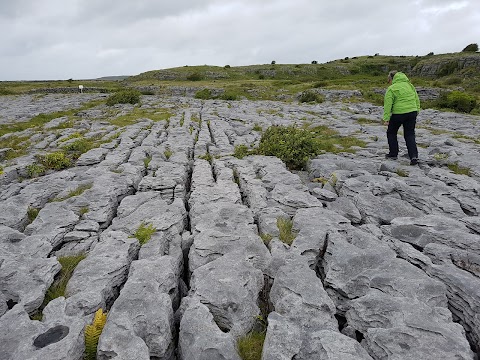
290, 200
382, 289
313, 225
149, 208
382, 210
421, 231
212, 244
140, 322
55, 220
407, 329
92, 157
97, 278
200, 338
346, 208
25, 279
229, 287
57, 338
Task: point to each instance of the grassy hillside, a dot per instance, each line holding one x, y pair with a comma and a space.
457, 71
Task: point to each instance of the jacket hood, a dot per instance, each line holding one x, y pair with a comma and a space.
399, 77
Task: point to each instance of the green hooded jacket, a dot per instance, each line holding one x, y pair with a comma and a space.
400, 98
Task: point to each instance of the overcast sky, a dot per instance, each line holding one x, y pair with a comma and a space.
80, 39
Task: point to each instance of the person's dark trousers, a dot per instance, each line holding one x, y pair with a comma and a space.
408, 121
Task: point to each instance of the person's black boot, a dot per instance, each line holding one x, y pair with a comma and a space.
391, 157
414, 161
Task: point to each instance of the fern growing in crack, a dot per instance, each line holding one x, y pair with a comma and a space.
92, 334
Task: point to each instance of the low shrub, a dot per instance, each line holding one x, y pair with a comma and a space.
129, 96
456, 100
229, 96
241, 151
453, 81
194, 77
204, 94
293, 146
55, 161
310, 96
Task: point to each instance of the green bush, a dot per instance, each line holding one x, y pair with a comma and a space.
129, 96
453, 81
320, 84
229, 96
471, 48
241, 151
194, 77
448, 68
293, 146
456, 100
204, 94
80, 146
310, 96
56, 160
4, 91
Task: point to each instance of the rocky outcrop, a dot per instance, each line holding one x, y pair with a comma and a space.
189, 249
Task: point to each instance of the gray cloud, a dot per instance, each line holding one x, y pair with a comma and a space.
89, 38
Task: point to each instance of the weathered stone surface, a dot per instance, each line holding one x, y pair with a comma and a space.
400, 282
303, 325
97, 278
57, 337
149, 208
25, 279
140, 323
92, 157
229, 287
200, 338
381, 290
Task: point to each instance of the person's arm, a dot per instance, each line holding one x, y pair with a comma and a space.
417, 100
387, 105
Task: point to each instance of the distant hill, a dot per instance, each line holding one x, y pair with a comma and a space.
424, 66
113, 78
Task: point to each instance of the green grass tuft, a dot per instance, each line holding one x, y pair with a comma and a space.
32, 214
285, 227
460, 170
250, 347
78, 191
144, 233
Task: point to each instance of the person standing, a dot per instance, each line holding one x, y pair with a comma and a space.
401, 106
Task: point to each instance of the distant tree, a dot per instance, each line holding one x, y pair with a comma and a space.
70, 80
430, 53
314, 62
471, 48
227, 66
376, 54
273, 62
346, 58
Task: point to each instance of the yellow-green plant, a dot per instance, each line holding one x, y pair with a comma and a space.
32, 214
266, 238
460, 170
146, 161
440, 156
92, 334
168, 153
250, 347
402, 173
144, 233
285, 227
78, 191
